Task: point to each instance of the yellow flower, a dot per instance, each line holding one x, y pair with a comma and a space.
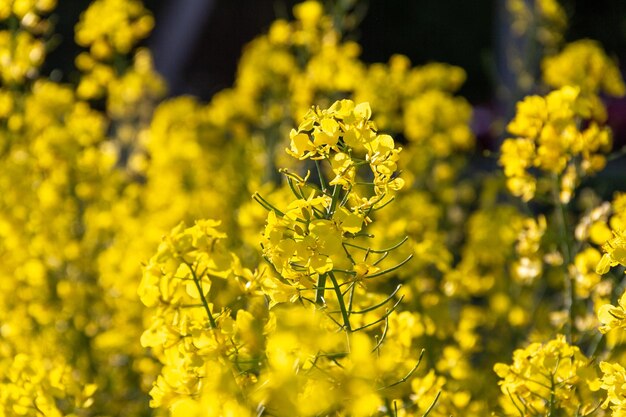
614, 382
585, 65
309, 12
615, 253
550, 139
543, 376
613, 317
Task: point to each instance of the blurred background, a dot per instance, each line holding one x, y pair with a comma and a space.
196, 43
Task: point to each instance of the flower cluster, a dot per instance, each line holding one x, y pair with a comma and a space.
545, 19
613, 381
344, 136
111, 28
363, 278
313, 238
23, 50
547, 138
613, 317
584, 64
223, 350
537, 28
198, 330
610, 234
544, 378
35, 386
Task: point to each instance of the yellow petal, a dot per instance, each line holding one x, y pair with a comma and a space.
363, 111
604, 265
320, 264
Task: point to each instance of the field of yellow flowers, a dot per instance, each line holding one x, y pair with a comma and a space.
311, 242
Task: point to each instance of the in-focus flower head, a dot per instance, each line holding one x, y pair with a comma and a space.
613, 381
345, 136
613, 317
544, 378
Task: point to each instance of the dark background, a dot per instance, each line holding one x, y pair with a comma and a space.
453, 31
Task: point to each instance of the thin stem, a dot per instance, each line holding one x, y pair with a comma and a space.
205, 303
321, 287
408, 375
383, 335
521, 413
393, 268
566, 248
334, 201
382, 258
552, 401
382, 303
344, 200
396, 246
342, 305
321, 176
348, 254
432, 406
352, 288
384, 205
296, 192
387, 314
266, 204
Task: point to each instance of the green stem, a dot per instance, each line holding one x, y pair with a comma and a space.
319, 291
321, 176
333, 203
351, 298
205, 303
266, 204
342, 305
408, 375
552, 399
396, 246
391, 269
566, 249
432, 405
